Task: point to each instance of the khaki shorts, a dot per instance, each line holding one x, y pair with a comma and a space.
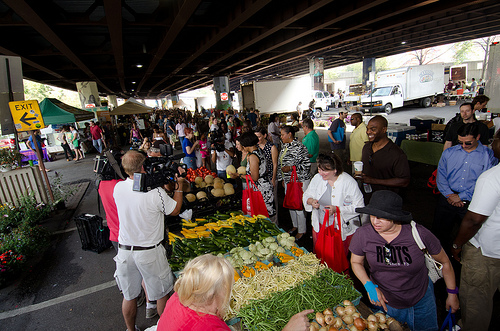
151, 265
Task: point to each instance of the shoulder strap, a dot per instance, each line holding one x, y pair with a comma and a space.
416, 236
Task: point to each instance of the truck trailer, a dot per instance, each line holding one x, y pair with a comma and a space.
283, 96
403, 86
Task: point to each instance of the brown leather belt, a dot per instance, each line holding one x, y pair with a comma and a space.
136, 248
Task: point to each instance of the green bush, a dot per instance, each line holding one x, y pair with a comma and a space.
21, 236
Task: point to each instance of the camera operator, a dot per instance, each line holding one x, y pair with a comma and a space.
222, 152
141, 254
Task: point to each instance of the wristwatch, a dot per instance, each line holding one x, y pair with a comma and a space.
455, 246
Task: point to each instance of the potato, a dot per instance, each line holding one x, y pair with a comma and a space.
231, 169
228, 185
228, 190
209, 179
242, 170
202, 185
198, 180
190, 197
201, 195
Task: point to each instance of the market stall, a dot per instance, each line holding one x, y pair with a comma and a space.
29, 155
56, 113
427, 152
131, 107
274, 278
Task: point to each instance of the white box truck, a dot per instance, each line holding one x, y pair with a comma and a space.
492, 89
409, 85
283, 96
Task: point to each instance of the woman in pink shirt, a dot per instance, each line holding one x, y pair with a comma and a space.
202, 295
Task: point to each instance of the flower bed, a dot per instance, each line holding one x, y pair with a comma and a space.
21, 236
323, 123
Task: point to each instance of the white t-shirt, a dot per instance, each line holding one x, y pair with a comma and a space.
496, 123
223, 159
214, 127
486, 201
180, 129
141, 214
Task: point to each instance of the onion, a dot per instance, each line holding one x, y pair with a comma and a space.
360, 324
349, 310
353, 328
314, 326
331, 328
328, 311
381, 318
383, 326
372, 326
329, 319
320, 318
356, 315
340, 311
338, 322
324, 328
394, 325
347, 303
372, 318
348, 319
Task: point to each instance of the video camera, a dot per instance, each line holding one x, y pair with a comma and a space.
108, 166
217, 140
159, 172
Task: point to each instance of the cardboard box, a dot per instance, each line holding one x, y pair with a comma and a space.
453, 102
441, 104
438, 127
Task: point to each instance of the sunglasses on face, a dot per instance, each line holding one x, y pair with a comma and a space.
466, 143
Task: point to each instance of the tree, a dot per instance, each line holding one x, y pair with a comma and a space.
462, 50
36, 91
382, 64
485, 43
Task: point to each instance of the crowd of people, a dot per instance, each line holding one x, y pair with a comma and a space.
376, 231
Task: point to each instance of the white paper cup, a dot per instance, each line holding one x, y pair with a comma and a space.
358, 168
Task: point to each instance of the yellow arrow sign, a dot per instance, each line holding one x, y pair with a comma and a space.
26, 115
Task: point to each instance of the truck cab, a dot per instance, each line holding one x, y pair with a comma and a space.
323, 102
384, 98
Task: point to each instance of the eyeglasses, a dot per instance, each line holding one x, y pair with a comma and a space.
466, 143
387, 254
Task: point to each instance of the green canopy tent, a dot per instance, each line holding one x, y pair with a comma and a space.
57, 112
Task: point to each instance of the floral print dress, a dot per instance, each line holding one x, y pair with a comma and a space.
263, 183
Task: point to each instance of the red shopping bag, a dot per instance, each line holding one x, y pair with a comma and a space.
329, 247
252, 201
293, 196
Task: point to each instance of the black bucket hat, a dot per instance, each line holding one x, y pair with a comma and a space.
388, 205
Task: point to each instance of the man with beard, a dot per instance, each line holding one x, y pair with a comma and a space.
385, 166
467, 116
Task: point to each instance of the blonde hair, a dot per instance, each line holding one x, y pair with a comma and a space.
132, 162
205, 279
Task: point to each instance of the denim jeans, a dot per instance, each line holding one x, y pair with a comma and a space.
221, 174
98, 145
190, 162
422, 316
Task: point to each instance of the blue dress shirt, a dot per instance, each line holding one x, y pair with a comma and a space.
458, 170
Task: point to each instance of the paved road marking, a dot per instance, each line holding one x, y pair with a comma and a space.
52, 302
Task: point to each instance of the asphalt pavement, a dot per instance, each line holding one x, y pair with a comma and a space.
71, 289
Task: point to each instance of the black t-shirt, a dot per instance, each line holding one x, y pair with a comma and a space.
388, 162
452, 134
